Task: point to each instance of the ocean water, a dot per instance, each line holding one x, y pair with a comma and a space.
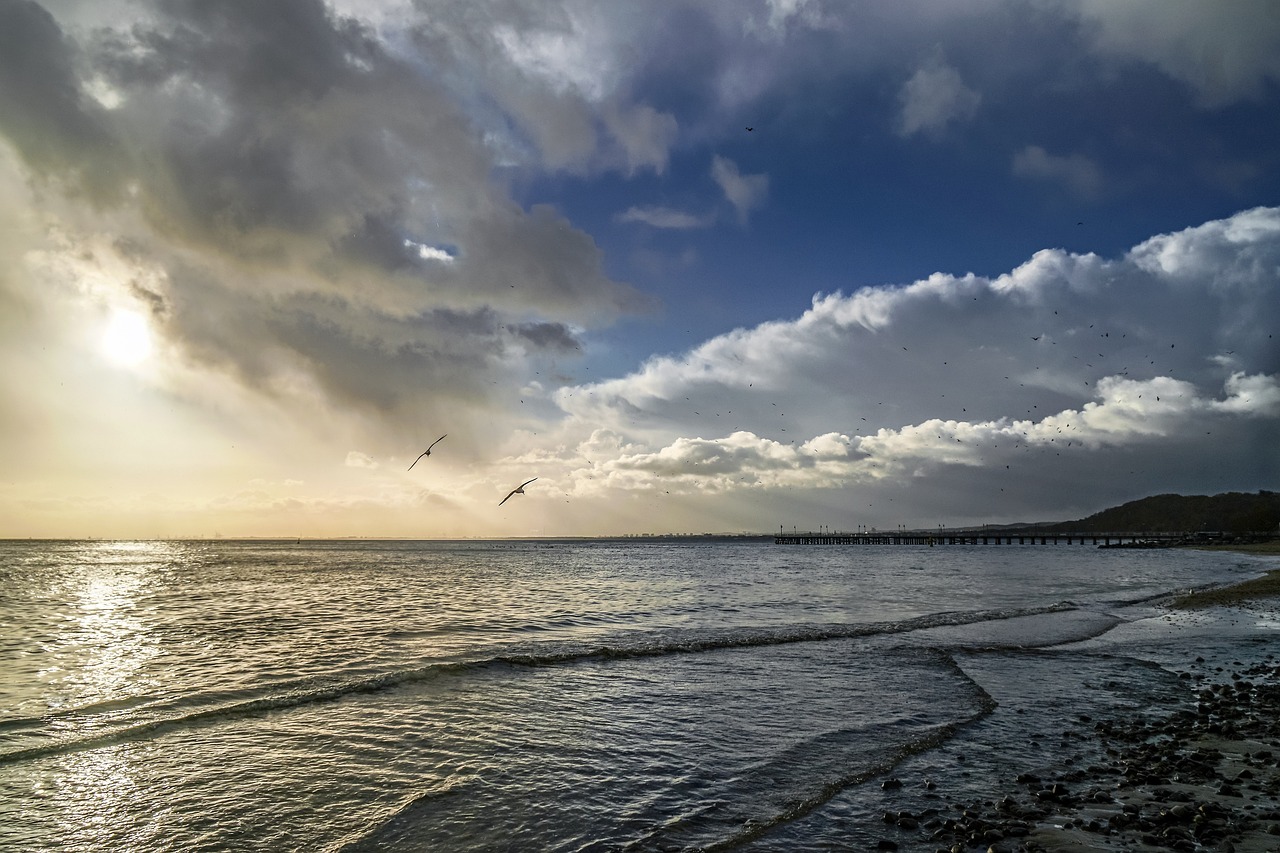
562, 696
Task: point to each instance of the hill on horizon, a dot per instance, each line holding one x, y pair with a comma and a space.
1229, 512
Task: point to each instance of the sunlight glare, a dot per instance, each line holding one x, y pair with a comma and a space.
127, 339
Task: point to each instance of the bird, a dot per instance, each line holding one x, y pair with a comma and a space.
749, 129
518, 490
427, 452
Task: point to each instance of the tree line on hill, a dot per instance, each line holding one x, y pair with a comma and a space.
1230, 512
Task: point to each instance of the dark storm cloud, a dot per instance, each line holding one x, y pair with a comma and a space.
434, 358
43, 112
238, 101
548, 336
270, 54
308, 203
154, 301
399, 366
541, 259
288, 134
381, 241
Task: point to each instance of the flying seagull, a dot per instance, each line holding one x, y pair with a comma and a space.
518, 490
427, 452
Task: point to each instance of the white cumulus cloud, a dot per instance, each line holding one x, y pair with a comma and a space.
1069, 359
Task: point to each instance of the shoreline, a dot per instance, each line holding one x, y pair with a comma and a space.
1194, 777
1237, 594
1201, 773
1271, 547
1240, 594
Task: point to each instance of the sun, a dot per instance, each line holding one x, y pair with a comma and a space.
127, 339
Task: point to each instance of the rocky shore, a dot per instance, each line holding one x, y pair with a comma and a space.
1205, 777
1202, 775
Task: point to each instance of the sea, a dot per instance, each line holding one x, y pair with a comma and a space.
601, 695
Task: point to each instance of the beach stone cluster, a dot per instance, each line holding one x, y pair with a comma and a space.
1203, 777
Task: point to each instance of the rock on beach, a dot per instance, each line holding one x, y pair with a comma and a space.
1205, 777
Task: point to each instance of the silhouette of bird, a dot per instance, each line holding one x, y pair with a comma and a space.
427, 452
749, 129
518, 490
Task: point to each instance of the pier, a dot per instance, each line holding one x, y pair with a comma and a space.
1113, 539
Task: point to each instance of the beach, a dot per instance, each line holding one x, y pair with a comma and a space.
1195, 775
1204, 778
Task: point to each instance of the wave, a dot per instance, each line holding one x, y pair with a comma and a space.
381, 825
717, 813
693, 641
888, 758
629, 646
812, 772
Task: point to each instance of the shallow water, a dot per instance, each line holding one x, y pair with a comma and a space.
554, 695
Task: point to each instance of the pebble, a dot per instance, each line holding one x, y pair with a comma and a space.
1138, 794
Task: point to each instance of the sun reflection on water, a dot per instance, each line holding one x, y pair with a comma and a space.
84, 668
100, 656
96, 793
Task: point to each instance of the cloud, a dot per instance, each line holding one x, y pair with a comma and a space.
429, 253
1223, 57
744, 192
645, 134
934, 97
1222, 255
551, 83
356, 459
555, 337
1123, 413
55, 125
1006, 461
1067, 358
664, 217
1076, 172
302, 209
559, 47
783, 14
327, 211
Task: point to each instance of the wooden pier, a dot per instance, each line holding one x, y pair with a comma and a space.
992, 537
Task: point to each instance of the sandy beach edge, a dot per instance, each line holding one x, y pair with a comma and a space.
1264, 587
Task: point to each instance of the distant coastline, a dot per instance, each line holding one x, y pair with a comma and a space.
1234, 520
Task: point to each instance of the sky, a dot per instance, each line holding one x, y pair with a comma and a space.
695, 265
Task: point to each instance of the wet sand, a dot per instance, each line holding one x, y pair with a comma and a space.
1272, 547
1267, 587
